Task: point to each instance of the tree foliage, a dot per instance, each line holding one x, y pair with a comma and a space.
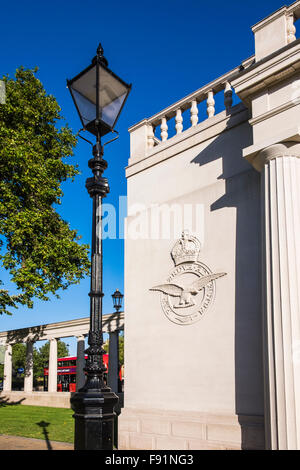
40, 357
38, 248
121, 348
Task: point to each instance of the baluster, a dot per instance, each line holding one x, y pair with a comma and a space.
164, 129
179, 121
228, 96
194, 113
150, 137
291, 29
210, 104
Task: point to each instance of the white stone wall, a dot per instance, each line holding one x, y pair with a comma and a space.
213, 366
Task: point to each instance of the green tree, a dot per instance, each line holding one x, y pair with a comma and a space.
38, 248
18, 356
40, 356
41, 359
121, 348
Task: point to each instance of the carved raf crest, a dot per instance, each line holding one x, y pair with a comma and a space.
191, 284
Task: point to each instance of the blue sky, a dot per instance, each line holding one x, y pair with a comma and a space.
166, 49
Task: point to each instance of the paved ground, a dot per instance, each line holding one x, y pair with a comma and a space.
25, 443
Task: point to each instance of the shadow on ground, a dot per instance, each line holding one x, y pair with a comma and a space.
44, 425
7, 402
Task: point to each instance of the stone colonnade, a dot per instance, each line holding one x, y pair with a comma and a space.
112, 324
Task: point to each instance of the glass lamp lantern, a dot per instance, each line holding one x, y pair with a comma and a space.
99, 96
117, 300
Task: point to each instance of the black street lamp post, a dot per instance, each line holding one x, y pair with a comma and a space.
99, 96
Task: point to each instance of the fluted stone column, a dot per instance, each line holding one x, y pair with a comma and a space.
113, 365
7, 381
28, 380
80, 376
280, 167
52, 378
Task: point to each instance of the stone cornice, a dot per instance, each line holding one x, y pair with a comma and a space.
274, 111
293, 9
77, 327
269, 71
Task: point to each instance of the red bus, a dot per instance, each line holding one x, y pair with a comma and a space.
66, 373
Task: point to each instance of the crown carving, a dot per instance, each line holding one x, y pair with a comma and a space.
186, 249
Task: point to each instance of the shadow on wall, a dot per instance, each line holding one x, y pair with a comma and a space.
19, 336
242, 191
4, 401
32, 334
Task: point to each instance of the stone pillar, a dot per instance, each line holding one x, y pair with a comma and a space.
80, 363
7, 381
28, 380
113, 364
52, 378
280, 168
141, 140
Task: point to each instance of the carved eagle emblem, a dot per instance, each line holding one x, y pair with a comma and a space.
186, 293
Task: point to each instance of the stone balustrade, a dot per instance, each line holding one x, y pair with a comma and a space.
190, 104
153, 134
155, 131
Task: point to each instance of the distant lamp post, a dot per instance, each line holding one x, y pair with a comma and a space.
99, 96
117, 300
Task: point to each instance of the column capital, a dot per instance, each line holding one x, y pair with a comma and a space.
282, 149
80, 337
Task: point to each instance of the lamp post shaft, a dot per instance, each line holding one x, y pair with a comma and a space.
97, 187
94, 403
96, 268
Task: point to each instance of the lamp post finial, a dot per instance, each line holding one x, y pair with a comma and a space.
100, 56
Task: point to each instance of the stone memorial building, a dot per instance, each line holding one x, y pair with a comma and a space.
212, 259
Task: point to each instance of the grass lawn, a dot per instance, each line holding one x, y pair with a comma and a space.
39, 422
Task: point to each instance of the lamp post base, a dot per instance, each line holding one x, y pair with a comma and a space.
94, 419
